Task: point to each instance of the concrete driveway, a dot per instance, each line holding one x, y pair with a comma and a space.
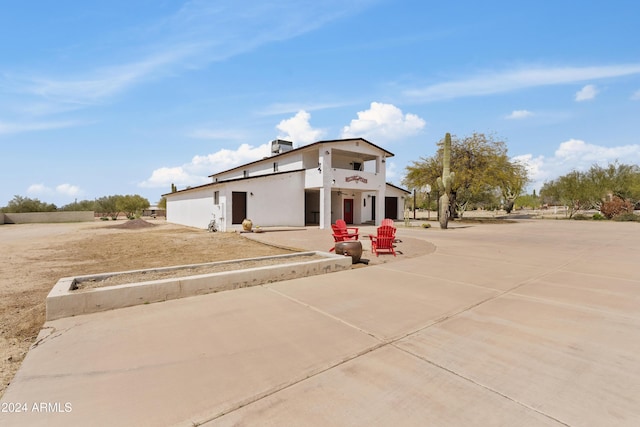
527, 324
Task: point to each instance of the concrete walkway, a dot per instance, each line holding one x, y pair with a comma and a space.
527, 324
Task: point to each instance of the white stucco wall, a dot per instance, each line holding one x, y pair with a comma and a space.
287, 162
277, 200
193, 208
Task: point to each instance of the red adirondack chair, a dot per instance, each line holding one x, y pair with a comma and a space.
341, 232
388, 222
343, 226
383, 241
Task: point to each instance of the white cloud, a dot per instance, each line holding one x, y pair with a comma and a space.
576, 154
383, 122
39, 189
298, 129
519, 114
68, 190
586, 93
635, 96
63, 190
178, 175
582, 155
511, 80
198, 170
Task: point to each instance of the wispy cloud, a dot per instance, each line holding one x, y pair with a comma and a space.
586, 93
519, 114
293, 107
513, 80
635, 96
12, 128
100, 84
200, 33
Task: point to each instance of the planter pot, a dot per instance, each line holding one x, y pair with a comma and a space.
247, 225
352, 248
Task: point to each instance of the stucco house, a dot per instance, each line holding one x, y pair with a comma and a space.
315, 184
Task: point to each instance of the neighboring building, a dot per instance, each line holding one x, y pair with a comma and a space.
154, 212
311, 185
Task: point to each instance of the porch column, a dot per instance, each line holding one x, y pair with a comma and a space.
380, 206
324, 158
325, 207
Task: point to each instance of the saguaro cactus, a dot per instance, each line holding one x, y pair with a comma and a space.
445, 182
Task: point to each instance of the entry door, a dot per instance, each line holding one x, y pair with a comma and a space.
348, 211
391, 207
238, 206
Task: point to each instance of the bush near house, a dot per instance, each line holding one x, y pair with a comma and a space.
615, 207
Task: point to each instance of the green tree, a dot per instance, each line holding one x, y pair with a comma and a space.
82, 205
21, 204
528, 201
107, 206
619, 180
591, 189
482, 168
574, 190
132, 205
511, 178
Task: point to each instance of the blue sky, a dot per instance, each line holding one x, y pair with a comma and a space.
122, 97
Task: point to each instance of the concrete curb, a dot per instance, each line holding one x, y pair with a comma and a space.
64, 301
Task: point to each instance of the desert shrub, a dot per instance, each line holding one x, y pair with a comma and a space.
580, 217
615, 207
426, 225
627, 216
598, 216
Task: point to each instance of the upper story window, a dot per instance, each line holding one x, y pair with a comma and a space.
245, 174
216, 197
275, 166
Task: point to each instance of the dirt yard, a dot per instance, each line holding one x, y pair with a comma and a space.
34, 256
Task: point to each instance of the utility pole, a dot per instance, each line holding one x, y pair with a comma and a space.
414, 203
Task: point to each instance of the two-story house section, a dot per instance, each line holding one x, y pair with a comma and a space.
315, 184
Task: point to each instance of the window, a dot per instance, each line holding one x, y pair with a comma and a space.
245, 174
275, 166
216, 197
357, 166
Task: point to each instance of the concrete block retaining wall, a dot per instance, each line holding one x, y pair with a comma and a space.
46, 217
